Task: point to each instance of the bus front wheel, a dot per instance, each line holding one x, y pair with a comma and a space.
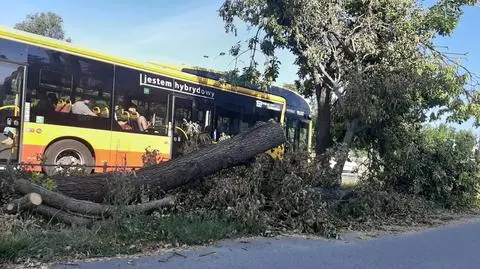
68, 156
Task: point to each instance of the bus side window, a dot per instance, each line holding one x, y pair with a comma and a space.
228, 120
149, 115
90, 84
52, 94
57, 80
303, 136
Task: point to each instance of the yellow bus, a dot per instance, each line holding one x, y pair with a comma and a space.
64, 105
298, 121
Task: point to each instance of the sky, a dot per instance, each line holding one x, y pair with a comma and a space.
183, 32
178, 32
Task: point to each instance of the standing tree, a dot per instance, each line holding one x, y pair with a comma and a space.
47, 24
368, 63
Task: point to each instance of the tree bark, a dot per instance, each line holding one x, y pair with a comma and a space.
177, 172
324, 120
30, 200
342, 156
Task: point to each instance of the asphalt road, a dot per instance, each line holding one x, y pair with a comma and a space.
453, 247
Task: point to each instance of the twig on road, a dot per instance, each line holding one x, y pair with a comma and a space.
206, 254
171, 256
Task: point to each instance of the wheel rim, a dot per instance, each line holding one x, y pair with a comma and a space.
68, 160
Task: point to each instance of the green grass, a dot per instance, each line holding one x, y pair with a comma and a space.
127, 236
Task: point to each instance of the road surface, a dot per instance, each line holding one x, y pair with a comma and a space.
453, 247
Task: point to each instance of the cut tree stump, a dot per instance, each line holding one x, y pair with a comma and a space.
177, 172
30, 200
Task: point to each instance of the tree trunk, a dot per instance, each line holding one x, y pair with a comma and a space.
180, 171
342, 156
324, 119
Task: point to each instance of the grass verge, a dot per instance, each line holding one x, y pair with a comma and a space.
49, 243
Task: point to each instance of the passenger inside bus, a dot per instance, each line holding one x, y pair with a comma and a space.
137, 119
43, 106
52, 100
122, 117
80, 107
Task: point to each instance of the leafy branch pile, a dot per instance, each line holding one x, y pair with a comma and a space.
294, 195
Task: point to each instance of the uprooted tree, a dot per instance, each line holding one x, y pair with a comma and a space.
80, 199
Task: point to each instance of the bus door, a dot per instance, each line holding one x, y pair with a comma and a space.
11, 91
191, 116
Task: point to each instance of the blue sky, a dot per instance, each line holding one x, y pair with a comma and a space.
184, 31
161, 30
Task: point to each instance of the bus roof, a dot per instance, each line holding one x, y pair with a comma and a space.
295, 102
50, 43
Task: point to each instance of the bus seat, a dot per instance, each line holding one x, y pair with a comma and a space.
134, 115
63, 106
59, 105
105, 112
96, 110
123, 115
67, 107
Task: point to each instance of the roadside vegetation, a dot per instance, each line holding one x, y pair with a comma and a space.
267, 198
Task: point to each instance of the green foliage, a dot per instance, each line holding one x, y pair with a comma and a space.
374, 207
42, 180
281, 196
46, 24
436, 163
445, 14
370, 64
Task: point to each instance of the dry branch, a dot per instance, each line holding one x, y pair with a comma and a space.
63, 202
62, 216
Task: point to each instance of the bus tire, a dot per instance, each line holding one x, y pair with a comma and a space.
68, 151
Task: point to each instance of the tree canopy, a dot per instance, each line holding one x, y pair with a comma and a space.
369, 64
46, 24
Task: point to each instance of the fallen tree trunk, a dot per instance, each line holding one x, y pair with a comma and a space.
60, 201
177, 172
30, 200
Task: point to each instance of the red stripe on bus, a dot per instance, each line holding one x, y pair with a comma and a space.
32, 155
122, 159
